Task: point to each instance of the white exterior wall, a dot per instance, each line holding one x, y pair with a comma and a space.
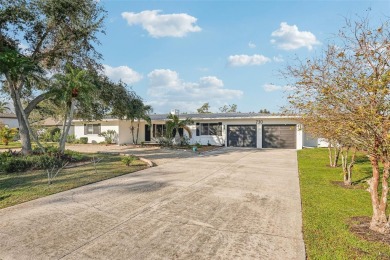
11, 122
309, 141
208, 139
125, 134
94, 138
122, 127
214, 140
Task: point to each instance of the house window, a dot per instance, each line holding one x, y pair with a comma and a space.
92, 129
159, 130
211, 129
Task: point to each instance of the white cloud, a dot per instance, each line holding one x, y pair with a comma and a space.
124, 73
251, 45
288, 37
163, 25
272, 87
167, 91
278, 58
246, 60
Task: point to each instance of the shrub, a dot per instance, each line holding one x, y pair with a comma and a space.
7, 134
83, 140
185, 141
44, 161
73, 156
56, 137
165, 141
52, 134
128, 160
109, 136
14, 164
71, 139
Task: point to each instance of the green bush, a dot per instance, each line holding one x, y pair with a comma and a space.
56, 137
165, 141
74, 156
128, 160
52, 134
71, 139
109, 136
44, 161
83, 140
14, 164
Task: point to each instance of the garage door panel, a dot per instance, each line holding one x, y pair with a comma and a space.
242, 135
279, 136
234, 136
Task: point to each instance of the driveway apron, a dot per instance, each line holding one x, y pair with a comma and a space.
226, 204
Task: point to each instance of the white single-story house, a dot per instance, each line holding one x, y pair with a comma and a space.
225, 129
52, 122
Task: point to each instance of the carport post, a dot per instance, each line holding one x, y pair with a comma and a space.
259, 141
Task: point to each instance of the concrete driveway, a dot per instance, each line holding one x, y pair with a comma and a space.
229, 204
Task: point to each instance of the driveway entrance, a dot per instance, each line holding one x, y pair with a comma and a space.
228, 204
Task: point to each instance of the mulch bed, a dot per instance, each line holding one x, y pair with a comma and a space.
360, 226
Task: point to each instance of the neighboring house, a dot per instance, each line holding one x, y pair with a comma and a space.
9, 119
52, 122
229, 129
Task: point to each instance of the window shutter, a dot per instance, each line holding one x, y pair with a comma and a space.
85, 129
197, 129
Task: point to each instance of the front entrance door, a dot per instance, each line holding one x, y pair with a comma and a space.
147, 133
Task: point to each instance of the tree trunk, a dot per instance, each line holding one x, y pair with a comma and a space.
63, 127
334, 154
344, 165
132, 130
70, 119
136, 140
330, 154
379, 221
350, 166
23, 131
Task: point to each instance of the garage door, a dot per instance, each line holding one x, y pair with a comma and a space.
279, 136
241, 135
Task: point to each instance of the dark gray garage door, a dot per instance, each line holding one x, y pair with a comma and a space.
279, 136
241, 135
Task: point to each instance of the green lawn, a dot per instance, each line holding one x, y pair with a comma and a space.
16, 188
11, 145
328, 207
17, 144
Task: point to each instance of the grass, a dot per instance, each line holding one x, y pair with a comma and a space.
17, 144
11, 145
327, 209
16, 188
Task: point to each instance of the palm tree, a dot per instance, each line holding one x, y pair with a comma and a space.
73, 86
19, 70
4, 107
143, 113
175, 123
137, 110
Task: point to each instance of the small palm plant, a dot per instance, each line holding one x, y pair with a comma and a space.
128, 160
175, 123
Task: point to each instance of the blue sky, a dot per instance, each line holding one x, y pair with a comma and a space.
181, 54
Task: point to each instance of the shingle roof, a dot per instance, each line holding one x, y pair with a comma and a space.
7, 115
215, 116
